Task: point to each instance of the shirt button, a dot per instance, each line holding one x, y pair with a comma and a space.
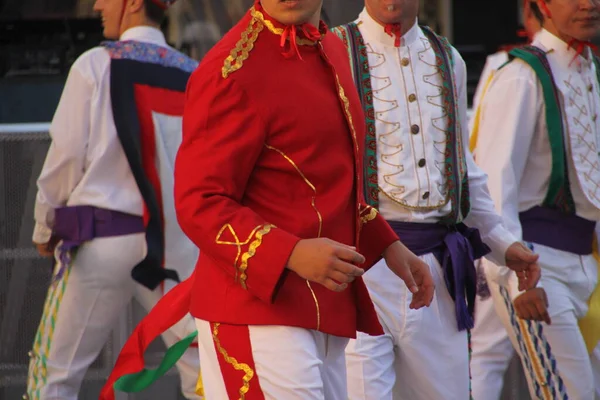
405, 62
422, 162
590, 87
412, 97
594, 117
425, 195
414, 129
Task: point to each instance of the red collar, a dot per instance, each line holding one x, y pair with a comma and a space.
291, 35
395, 31
579, 46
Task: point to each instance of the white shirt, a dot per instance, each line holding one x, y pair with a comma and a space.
407, 98
513, 146
86, 164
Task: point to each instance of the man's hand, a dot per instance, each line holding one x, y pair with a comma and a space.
326, 262
524, 262
533, 305
46, 249
413, 271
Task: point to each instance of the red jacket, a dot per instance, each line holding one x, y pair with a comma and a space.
270, 154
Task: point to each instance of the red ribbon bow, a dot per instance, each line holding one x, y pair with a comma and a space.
395, 31
290, 32
579, 46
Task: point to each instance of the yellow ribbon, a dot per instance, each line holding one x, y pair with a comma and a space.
477, 116
590, 324
199, 386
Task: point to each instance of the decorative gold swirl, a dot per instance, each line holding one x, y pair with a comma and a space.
249, 372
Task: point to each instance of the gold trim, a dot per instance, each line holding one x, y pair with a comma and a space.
249, 372
242, 49
318, 216
305, 180
441, 204
278, 31
251, 252
316, 305
370, 216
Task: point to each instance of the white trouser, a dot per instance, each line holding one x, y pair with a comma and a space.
569, 280
422, 355
80, 312
271, 362
491, 350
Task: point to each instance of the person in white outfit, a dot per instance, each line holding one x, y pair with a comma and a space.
490, 344
105, 205
422, 178
537, 139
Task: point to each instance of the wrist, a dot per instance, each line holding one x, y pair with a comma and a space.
397, 245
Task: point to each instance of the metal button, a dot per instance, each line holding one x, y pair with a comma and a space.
425, 195
590, 87
25, 397
414, 129
422, 162
405, 62
30, 354
412, 97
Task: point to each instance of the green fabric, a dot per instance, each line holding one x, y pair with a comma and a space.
455, 168
357, 54
134, 383
554, 124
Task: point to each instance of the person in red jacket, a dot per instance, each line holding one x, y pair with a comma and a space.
269, 186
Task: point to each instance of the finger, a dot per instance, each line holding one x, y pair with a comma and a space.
519, 311
545, 298
341, 277
533, 312
415, 304
429, 291
406, 275
522, 311
339, 244
332, 285
543, 312
346, 268
344, 253
421, 299
535, 274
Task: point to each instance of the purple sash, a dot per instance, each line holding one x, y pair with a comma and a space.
558, 230
78, 224
456, 248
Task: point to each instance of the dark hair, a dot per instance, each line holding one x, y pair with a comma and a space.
154, 12
537, 13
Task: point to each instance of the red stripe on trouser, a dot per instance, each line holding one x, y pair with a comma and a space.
234, 351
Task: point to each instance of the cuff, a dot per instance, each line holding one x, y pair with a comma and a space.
376, 235
499, 240
264, 263
41, 233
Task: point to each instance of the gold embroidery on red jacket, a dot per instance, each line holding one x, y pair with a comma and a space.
240, 273
367, 214
243, 47
238, 366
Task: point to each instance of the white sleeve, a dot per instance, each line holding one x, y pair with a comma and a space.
482, 216
509, 115
65, 161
